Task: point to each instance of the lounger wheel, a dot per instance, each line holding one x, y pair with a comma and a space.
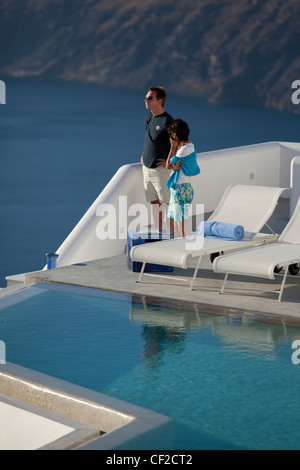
277, 269
294, 269
215, 255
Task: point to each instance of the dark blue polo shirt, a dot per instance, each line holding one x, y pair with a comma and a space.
157, 142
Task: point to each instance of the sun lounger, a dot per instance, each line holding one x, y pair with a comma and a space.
249, 206
266, 261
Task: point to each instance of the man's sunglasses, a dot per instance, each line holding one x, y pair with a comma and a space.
148, 98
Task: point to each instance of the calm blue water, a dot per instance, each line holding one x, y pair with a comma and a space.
60, 143
229, 383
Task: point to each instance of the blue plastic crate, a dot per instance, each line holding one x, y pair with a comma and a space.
139, 237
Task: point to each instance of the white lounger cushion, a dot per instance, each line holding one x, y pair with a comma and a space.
247, 205
259, 261
176, 252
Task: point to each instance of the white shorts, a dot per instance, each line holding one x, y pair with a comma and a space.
155, 184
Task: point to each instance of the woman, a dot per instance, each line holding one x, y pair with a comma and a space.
182, 159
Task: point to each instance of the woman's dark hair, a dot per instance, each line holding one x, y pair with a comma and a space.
180, 129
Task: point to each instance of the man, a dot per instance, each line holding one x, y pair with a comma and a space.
155, 153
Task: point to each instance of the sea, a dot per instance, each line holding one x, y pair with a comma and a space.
61, 143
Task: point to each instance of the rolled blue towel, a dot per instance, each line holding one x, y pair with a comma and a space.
222, 230
205, 228
229, 231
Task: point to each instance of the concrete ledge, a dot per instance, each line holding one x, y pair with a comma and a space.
15, 279
103, 421
38, 428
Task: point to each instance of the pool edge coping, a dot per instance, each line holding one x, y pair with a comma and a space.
46, 395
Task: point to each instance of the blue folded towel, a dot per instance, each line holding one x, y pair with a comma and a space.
189, 167
221, 230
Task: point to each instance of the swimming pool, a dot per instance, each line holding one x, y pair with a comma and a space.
228, 381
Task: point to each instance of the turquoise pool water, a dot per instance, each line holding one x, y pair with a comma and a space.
227, 381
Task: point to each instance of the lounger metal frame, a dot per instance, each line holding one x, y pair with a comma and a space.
273, 291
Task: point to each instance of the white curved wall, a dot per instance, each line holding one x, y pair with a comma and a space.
83, 243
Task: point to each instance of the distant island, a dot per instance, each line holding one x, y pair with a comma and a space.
241, 52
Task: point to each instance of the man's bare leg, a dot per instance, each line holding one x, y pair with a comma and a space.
157, 214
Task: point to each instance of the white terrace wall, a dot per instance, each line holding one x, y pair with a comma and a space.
266, 164
254, 164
